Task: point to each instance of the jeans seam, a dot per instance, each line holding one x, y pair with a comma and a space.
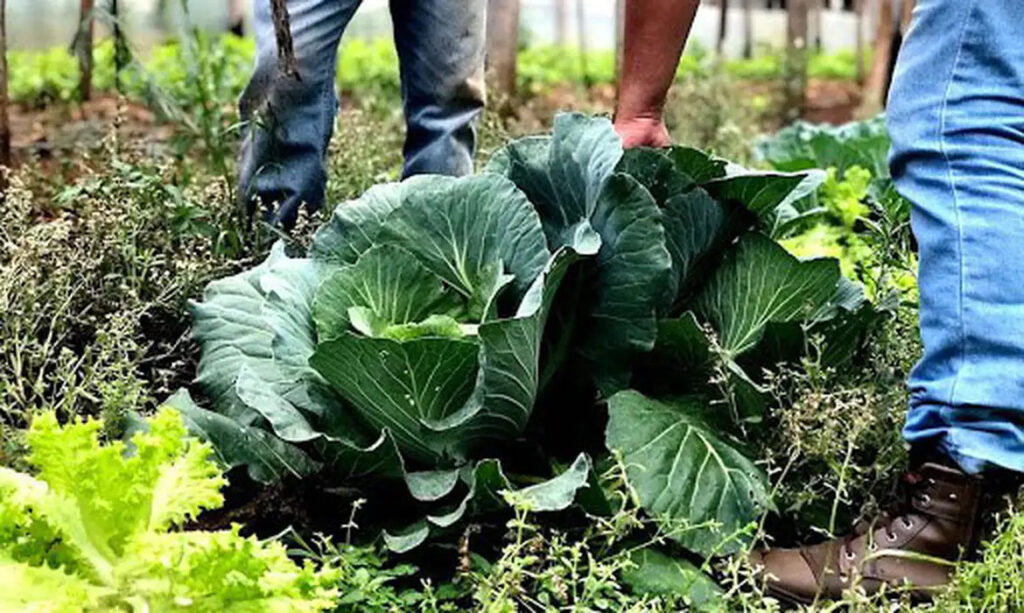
956, 207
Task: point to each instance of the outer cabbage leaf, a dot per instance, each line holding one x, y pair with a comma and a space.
266, 457
684, 360
697, 485
256, 340
656, 171
587, 206
696, 164
256, 326
484, 488
481, 485
229, 327
762, 193
354, 225
802, 145
759, 283
697, 227
557, 493
656, 573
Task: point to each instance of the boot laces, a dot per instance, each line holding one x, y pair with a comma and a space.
913, 487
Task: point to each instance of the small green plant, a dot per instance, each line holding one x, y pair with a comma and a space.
93, 531
617, 562
38, 78
835, 235
996, 581
369, 582
93, 278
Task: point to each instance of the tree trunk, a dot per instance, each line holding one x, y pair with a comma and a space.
796, 58
562, 22
5, 125
620, 33
748, 28
859, 42
83, 49
121, 54
817, 7
906, 10
502, 44
875, 84
236, 18
581, 36
723, 25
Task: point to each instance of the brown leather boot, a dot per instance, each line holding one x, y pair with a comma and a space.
936, 520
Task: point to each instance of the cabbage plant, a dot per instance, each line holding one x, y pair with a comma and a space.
686, 288
408, 339
436, 323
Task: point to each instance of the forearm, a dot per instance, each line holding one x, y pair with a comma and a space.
655, 32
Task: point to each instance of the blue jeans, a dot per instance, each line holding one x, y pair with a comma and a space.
289, 122
956, 116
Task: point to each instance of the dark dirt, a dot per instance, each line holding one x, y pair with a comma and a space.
58, 130
49, 133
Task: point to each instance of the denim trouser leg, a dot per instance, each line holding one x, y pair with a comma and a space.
956, 116
441, 51
290, 121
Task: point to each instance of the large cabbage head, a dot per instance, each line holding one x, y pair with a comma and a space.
408, 336
430, 324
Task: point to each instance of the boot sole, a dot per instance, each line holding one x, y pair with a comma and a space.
788, 597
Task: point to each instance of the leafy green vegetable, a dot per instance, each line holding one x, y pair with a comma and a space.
91, 532
700, 486
657, 573
585, 205
415, 341
844, 198
759, 283
802, 146
408, 339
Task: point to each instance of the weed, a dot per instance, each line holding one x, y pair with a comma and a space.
93, 284
702, 112
376, 159
370, 583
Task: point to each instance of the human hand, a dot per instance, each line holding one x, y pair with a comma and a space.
642, 132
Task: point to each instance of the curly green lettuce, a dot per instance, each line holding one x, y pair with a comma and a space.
95, 530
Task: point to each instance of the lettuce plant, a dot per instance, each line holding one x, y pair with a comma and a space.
92, 531
437, 322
